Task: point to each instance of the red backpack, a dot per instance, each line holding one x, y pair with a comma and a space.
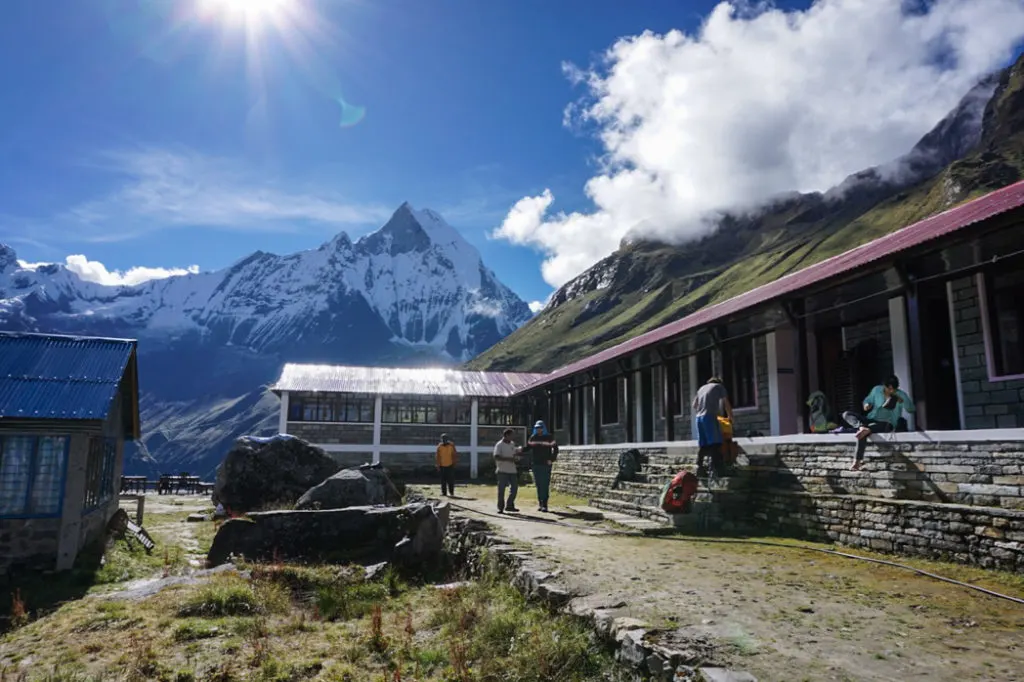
677, 493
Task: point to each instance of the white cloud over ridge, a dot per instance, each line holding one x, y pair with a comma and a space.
94, 271
758, 102
537, 306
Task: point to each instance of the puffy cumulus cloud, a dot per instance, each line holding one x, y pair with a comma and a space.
94, 271
537, 306
756, 103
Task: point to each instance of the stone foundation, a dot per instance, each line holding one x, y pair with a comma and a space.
918, 494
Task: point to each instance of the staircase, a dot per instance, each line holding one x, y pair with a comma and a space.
640, 498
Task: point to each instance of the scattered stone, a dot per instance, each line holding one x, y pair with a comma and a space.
453, 586
197, 518
259, 473
365, 486
374, 571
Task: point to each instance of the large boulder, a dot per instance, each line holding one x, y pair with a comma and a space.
410, 535
365, 486
263, 473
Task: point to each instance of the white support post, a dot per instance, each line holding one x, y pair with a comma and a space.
956, 356
474, 438
282, 426
901, 349
585, 393
638, 396
774, 416
378, 416
692, 370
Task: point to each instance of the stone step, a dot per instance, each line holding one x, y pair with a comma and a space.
635, 496
649, 513
627, 521
647, 486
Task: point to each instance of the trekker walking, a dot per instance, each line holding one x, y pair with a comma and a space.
544, 451
711, 401
505, 452
883, 408
446, 459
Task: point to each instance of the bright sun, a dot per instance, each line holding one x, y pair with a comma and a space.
250, 10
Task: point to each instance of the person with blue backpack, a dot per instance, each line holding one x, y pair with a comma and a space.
544, 451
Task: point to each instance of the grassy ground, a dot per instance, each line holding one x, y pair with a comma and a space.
287, 622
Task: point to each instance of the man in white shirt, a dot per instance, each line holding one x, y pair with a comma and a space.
505, 452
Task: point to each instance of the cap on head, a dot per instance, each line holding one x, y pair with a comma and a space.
714, 380
444, 437
507, 432
539, 425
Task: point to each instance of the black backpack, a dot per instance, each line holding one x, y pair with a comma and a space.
629, 464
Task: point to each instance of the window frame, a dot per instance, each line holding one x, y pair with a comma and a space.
333, 405
104, 474
34, 473
412, 411
614, 383
990, 326
729, 377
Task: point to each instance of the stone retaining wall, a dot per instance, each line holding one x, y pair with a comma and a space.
958, 500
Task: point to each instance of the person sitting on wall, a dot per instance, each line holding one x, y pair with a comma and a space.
710, 402
446, 459
883, 408
505, 452
544, 451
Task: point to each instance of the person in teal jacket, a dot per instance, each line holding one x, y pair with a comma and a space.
883, 407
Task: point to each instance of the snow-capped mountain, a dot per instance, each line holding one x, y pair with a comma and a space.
425, 285
412, 292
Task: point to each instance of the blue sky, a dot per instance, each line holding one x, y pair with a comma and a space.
139, 133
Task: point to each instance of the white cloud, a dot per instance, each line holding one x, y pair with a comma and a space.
159, 189
94, 271
758, 102
537, 306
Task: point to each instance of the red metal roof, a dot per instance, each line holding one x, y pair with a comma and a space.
939, 225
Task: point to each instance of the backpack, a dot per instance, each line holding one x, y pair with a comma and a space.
629, 465
677, 494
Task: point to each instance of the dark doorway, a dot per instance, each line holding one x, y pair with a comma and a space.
647, 405
939, 393
705, 369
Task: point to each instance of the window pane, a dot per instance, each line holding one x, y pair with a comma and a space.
49, 475
16, 454
309, 409
1007, 301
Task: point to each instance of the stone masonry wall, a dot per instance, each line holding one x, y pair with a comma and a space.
331, 433
961, 501
31, 543
987, 404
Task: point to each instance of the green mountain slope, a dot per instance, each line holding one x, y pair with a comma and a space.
645, 285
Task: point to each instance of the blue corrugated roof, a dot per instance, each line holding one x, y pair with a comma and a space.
60, 377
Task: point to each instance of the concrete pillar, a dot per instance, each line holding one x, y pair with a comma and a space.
692, 373
783, 389
901, 349
773, 384
71, 505
638, 408
282, 424
956, 356
378, 415
585, 392
473, 438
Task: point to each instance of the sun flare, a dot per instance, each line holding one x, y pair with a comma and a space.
249, 10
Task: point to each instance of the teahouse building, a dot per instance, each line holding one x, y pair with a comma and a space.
67, 406
396, 416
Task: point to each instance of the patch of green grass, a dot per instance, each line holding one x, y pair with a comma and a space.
348, 601
231, 595
126, 560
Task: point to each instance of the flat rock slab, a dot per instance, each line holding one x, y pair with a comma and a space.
586, 512
724, 675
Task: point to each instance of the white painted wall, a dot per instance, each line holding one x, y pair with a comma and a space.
282, 425
378, 414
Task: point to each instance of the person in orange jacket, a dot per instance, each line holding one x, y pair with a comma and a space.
446, 459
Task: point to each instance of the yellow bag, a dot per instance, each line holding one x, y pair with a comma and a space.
725, 426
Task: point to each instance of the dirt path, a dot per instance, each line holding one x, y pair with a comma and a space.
783, 613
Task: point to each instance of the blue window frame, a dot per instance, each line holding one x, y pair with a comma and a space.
99, 472
32, 472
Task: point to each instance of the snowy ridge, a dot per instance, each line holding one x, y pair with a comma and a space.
425, 283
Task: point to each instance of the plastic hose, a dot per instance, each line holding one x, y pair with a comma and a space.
763, 543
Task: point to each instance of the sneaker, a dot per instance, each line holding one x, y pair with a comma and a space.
500, 510
511, 509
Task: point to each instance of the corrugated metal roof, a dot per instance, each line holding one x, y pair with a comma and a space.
60, 377
942, 224
405, 381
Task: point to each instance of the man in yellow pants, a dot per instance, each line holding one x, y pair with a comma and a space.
446, 459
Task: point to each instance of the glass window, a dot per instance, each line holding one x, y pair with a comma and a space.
609, 401
32, 474
1005, 290
738, 373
